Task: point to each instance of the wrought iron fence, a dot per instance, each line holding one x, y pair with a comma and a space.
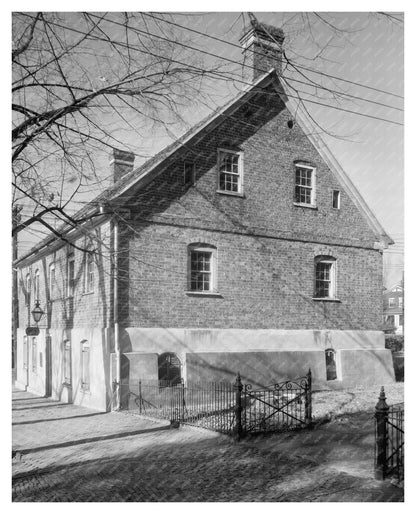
222, 406
389, 426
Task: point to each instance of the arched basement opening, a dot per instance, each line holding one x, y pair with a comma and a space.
331, 365
169, 368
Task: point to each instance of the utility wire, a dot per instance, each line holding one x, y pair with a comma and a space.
297, 65
223, 75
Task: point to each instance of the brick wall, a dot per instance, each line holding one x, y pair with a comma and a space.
82, 309
266, 245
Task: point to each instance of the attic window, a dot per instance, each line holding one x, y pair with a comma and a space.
188, 173
305, 193
230, 172
336, 199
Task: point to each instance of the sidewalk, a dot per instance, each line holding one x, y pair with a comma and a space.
70, 453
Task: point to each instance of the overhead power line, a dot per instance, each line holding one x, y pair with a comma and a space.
297, 65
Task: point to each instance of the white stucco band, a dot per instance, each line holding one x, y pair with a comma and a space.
182, 341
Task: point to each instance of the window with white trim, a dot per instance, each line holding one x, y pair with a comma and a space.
89, 273
336, 199
230, 171
28, 288
325, 277
305, 185
85, 366
392, 302
36, 289
400, 302
67, 362
201, 268
70, 275
52, 279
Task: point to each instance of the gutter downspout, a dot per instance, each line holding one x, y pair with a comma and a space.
115, 316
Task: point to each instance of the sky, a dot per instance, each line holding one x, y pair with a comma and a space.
366, 50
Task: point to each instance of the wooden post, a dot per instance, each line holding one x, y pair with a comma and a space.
308, 399
381, 415
238, 408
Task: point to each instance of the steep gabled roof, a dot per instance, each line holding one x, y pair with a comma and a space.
152, 167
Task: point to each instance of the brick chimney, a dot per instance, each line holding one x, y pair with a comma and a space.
262, 49
121, 163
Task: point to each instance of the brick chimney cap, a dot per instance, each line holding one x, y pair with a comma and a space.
265, 31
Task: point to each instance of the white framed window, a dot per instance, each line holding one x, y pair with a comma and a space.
305, 181
400, 302
28, 288
392, 302
52, 279
36, 289
70, 275
336, 199
89, 273
85, 366
202, 268
67, 362
325, 277
230, 172
188, 173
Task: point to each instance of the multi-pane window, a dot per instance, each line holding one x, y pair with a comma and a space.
230, 171
188, 173
36, 285
52, 281
400, 302
70, 275
392, 302
336, 199
201, 269
324, 277
85, 366
305, 185
34, 354
28, 288
89, 273
67, 362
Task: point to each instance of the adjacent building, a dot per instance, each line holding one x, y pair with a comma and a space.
393, 308
242, 247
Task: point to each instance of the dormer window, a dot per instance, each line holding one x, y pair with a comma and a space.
230, 172
305, 193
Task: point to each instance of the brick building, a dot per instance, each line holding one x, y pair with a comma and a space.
393, 308
243, 246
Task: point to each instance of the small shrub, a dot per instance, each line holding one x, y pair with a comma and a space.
395, 343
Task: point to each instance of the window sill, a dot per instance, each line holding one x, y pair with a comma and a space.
307, 205
230, 193
87, 293
204, 293
335, 300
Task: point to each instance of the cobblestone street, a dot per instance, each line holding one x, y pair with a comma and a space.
68, 453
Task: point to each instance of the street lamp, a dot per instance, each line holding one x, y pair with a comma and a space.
37, 312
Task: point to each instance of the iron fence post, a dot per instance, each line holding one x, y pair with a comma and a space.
182, 411
381, 415
308, 399
116, 387
238, 407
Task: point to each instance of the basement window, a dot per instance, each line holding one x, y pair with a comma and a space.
331, 364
